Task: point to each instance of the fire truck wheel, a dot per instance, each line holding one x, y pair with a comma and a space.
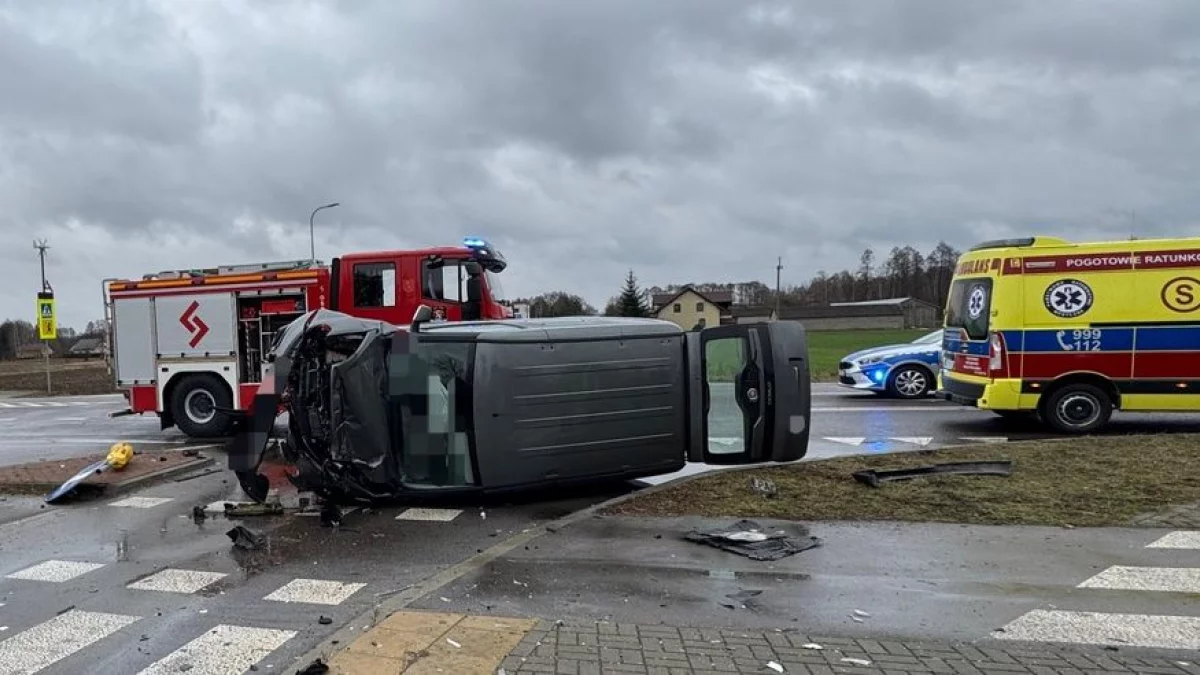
194, 403
1077, 409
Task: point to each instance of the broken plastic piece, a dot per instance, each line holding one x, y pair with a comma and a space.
745, 539
873, 477
856, 662
246, 539
775, 666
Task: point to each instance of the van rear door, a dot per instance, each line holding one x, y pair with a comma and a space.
753, 387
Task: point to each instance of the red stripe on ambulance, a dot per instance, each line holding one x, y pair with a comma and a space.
1105, 262
1045, 366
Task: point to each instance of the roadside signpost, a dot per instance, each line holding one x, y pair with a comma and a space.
47, 328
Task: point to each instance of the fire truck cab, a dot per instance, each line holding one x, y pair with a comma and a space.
188, 345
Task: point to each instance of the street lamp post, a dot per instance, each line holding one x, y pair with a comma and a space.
312, 242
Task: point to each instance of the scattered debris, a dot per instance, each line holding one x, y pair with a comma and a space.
331, 515
744, 538
454, 644
317, 667
324, 620
764, 486
194, 476
856, 662
245, 539
243, 509
198, 514
775, 666
873, 477
190, 452
64, 611
859, 612
813, 646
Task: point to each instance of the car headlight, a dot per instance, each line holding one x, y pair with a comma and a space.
869, 360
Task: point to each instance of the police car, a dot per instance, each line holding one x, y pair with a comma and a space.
902, 371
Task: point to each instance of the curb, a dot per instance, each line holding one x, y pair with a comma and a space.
127, 485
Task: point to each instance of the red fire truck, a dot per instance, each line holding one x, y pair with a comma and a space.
185, 343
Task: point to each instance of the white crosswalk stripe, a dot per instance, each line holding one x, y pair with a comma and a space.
1096, 628
921, 441
1113, 628
1165, 579
1182, 540
315, 591
435, 515
56, 571
13, 403
173, 580
49, 642
222, 650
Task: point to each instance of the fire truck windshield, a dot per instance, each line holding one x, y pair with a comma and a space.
495, 287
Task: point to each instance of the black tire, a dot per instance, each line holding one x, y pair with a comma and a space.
1077, 409
192, 404
910, 382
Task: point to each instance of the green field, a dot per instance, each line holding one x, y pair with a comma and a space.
825, 349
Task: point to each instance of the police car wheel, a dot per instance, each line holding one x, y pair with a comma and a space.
1077, 409
909, 382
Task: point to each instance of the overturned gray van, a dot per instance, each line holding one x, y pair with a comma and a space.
377, 411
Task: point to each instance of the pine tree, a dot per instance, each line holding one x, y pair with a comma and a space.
631, 301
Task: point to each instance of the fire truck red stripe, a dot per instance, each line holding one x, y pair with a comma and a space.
195, 290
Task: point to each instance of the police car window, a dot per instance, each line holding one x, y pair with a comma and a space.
970, 306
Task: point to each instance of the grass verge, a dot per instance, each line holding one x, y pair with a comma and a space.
1080, 482
825, 349
67, 377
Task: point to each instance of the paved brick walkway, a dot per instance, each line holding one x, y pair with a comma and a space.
602, 648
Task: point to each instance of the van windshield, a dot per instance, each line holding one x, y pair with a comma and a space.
970, 306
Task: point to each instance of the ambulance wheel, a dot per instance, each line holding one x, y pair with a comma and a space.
194, 404
909, 382
1077, 409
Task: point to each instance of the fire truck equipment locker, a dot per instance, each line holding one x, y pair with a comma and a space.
133, 340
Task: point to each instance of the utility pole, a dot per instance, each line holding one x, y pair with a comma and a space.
778, 279
40, 246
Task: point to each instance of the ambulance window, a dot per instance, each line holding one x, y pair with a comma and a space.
375, 284
970, 306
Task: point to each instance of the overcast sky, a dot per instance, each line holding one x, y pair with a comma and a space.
686, 139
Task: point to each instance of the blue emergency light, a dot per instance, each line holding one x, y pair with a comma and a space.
475, 242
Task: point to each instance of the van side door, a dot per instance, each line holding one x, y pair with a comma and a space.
750, 389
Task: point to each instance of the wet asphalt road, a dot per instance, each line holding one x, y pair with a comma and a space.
135, 627
304, 571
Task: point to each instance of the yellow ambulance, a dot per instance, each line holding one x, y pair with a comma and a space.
1071, 332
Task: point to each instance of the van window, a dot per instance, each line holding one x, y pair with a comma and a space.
375, 284
970, 306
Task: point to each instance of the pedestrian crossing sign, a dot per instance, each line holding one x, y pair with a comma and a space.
47, 328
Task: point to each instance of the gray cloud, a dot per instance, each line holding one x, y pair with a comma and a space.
687, 139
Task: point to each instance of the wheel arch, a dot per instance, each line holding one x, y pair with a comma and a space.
1101, 382
178, 378
916, 363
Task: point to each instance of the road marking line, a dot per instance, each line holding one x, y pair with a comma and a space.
51, 641
55, 404
1166, 579
223, 649
915, 440
985, 439
314, 591
6, 405
70, 419
1138, 630
1181, 539
55, 570
846, 440
438, 515
29, 404
141, 502
177, 581
898, 408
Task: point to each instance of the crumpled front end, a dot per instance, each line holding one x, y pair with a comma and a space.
329, 371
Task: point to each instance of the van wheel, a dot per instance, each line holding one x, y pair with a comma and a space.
909, 382
1077, 409
194, 404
